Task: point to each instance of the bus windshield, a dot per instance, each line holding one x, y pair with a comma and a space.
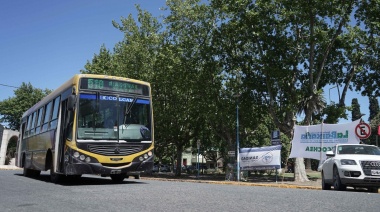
106, 117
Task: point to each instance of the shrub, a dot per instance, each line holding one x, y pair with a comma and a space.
7, 160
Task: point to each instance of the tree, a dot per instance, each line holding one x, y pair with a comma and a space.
288, 51
356, 114
367, 81
279, 56
101, 63
196, 75
375, 123
26, 96
373, 107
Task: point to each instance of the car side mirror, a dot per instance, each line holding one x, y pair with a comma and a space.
330, 154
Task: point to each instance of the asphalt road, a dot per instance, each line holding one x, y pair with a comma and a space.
92, 193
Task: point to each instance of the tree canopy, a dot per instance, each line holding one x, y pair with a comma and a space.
278, 56
26, 96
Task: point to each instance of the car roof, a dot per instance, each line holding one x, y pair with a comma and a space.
355, 145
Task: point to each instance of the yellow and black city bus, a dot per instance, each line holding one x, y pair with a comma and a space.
92, 124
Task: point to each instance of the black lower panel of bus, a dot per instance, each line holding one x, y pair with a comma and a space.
97, 168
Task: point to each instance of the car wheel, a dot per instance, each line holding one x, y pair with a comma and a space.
337, 183
325, 186
373, 189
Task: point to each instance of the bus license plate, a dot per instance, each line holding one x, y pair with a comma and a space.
115, 171
375, 172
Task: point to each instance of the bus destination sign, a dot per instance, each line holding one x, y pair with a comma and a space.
113, 85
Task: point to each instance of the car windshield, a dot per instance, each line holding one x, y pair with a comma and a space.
111, 117
358, 150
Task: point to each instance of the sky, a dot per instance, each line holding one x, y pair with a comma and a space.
46, 42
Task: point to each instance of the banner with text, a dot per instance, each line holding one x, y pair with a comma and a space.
315, 140
260, 158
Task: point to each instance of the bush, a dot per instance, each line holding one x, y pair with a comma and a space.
7, 160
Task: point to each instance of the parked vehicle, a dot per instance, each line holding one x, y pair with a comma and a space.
355, 165
163, 168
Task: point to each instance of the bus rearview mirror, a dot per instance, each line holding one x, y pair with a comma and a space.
71, 103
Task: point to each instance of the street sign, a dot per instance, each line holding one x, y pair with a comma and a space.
363, 130
231, 153
276, 137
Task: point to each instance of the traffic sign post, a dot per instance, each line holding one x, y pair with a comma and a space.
363, 130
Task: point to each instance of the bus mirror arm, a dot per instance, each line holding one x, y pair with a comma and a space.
71, 103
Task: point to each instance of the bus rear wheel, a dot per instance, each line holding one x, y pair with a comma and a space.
117, 178
27, 172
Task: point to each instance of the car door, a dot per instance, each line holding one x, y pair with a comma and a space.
328, 166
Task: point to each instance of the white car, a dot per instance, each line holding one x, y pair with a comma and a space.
354, 165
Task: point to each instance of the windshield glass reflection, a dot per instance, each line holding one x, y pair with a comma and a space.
110, 117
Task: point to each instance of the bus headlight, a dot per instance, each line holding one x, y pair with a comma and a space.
150, 153
76, 154
145, 156
141, 158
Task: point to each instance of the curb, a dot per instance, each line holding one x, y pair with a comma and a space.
276, 185
8, 167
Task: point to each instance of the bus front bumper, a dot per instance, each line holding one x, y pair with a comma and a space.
131, 169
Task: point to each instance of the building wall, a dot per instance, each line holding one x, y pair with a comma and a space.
7, 135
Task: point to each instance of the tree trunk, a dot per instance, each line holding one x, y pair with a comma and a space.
179, 162
299, 171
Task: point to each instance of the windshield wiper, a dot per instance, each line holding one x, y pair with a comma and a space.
128, 109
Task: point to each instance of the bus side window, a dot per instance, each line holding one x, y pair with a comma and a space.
33, 124
26, 132
47, 116
29, 123
38, 124
54, 117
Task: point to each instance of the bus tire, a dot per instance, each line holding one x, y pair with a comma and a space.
117, 178
36, 173
54, 177
27, 172
137, 177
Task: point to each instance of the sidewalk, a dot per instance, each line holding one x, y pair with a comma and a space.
9, 167
252, 181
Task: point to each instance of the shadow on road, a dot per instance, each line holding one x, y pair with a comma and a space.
84, 180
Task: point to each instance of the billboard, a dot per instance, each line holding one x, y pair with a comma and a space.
315, 140
260, 158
